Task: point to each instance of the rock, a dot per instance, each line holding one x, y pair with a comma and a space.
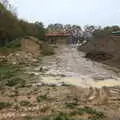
41, 69
21, 58
37, 84
60, 84
3, 59
34, 73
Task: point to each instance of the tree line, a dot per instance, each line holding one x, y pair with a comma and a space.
11, 27
96, 31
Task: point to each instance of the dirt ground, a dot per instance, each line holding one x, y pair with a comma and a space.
64, 83
78, 70
109, 45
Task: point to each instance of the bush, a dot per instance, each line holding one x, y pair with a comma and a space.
41, 98
25, 103
4, 105
15, 81
11, 27
9, 76
14, 44
28, 118
61, 116
8, 72
7, 68
95, 114
71, 105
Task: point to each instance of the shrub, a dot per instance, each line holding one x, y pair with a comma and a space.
15, 81
9, 76
71, 105
4, 105
14, 44
41, 98
8, 71
61, 116
28, 118
95, 114
25, 103
11, 27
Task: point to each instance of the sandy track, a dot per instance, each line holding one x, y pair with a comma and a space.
78, 70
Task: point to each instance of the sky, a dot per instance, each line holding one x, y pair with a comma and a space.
79, 12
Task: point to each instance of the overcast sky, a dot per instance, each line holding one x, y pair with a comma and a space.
81, 12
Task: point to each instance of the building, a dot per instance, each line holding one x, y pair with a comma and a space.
55, 38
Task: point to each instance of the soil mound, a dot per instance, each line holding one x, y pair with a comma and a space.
105, 50
99, 55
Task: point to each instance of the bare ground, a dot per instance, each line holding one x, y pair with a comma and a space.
64, 83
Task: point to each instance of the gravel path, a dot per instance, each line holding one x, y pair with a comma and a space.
78, 70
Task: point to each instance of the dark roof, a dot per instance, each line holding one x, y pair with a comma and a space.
57, 35
116, 33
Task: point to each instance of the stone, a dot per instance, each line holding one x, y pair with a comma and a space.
20, 57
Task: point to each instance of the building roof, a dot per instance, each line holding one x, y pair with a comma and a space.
57, 35
116, 33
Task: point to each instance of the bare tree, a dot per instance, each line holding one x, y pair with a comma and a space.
9, 6
5, 3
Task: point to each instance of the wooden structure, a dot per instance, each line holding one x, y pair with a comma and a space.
54, 38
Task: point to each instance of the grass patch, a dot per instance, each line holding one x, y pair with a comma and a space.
5, 105
39, 59
71, 105
28, 118
9, 76
8, 68
15, 81
41, 98
61, 116
25, 103
14, 44
67, 116
11, 47
7, 50
8, 71
87, 110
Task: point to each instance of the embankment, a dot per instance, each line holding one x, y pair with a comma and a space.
105, 50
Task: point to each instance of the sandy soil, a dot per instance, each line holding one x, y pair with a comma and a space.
60, 81
77, 70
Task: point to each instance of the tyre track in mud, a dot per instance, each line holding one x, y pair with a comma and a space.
98, 96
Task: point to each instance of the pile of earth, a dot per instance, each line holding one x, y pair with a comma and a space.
105, 50
19, 57
99, 55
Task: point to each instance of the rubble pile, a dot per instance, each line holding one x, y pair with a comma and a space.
99, 55
20, 57
2, 59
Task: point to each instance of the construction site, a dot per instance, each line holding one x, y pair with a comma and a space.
57, 71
